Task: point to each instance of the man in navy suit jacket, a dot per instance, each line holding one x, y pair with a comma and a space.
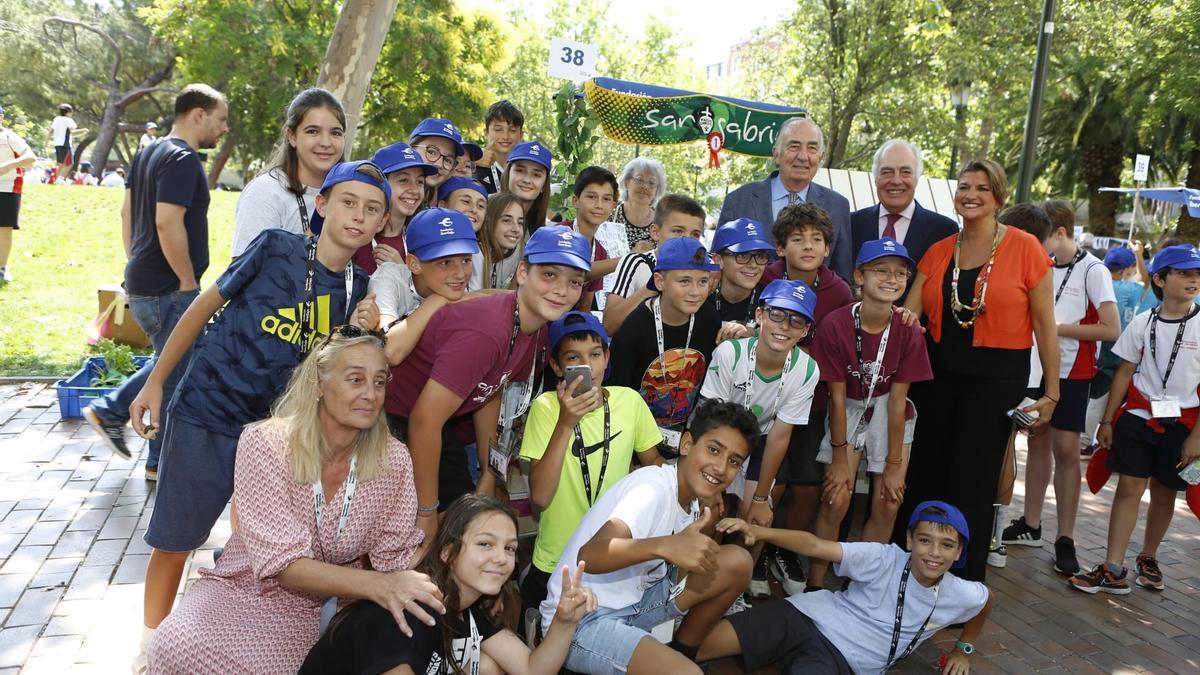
798, 154
896, 169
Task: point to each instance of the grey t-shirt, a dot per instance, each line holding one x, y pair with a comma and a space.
394, 292
267, 204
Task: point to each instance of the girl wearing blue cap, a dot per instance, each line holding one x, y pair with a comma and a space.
406, 173
527, 176
869, 357
880, 619
440, 143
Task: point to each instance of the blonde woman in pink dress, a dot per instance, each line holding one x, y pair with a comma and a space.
326, 514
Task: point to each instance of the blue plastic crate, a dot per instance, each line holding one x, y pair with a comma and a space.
74, 394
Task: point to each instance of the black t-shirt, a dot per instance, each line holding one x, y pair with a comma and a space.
956, 353
489, 178
636, 363
367, 641
170, 172
739, 312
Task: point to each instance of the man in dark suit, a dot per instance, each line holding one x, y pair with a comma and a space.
896, 170
798, 154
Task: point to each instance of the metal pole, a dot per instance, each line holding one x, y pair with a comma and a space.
1034, 115
960, 112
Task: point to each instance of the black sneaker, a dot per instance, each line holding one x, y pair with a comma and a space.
785, 565
1065, 561
760, 587
113, 434
1021, 534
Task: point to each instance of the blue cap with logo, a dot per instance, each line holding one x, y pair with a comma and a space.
460, 183
949, 516
438, 233
361, 171
558, 245
684, 253
1119, 258
442, 128
473, 151
882, 248
573, 322
399, 156
796, 296
530, 151
741, 236
1179, 257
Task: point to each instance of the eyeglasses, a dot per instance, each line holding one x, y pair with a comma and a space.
349, 331
646, 182
435, 156
792, 319
757, 257
884, 274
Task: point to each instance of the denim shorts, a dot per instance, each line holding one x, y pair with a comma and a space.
195, 482
606, 639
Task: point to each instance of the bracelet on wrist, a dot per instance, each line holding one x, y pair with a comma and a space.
898, 460
429, 509
1051, 398
760, 499
843, 444
1105, 423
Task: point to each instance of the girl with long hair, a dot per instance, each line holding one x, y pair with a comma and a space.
283, 195
500, 240
527, 176
471, 561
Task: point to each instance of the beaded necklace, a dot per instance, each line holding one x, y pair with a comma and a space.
976, 308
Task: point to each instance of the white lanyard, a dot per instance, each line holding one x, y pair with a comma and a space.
876, 368
330, 605
469, 656
750, 359
658, 332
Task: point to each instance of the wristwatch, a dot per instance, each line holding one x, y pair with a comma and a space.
965, 647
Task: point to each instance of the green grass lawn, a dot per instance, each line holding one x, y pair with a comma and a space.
69, 244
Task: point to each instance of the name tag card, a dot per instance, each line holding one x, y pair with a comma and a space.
1167, 408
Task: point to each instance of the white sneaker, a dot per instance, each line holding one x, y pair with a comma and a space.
998, 557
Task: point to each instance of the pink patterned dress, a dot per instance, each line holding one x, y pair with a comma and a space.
237, 618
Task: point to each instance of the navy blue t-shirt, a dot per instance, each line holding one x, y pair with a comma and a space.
244, 359
170, 172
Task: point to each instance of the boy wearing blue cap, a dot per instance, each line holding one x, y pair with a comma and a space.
1149, 426
1086, 313
862, 629
466, 356
665, 346
279, 299
465, 195
600, 428
869, 357
742, 250
406, 173
440, 143
440, 245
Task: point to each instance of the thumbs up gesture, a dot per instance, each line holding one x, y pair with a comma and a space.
692, 550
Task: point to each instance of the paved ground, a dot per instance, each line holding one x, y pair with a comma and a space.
72, 561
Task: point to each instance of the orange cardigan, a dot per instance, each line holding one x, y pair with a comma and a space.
1007, 322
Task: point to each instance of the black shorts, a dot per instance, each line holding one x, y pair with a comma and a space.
1070, 414
62, 153
1142, 452
454, 477
800, 465
10, 208
777, 632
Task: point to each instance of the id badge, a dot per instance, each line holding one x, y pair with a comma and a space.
1167, 408
671, 437
498, 460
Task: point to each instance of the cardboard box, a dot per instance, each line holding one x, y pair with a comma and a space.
119, 326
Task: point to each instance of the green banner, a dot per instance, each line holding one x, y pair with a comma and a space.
648, 115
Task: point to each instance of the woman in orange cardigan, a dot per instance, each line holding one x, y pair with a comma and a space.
985, 293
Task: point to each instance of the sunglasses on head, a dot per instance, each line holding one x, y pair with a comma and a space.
349, 331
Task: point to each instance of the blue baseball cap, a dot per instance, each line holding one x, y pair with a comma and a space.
460, 183
741, 236
473, 151
796, 296
438, 233
573, 322
558, 245
882, 248
361, 171
399, 156
952, 517
440, 127
1119, 258
530, 151
684, 253
1179, 257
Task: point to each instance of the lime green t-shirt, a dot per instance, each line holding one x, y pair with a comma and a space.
632, 430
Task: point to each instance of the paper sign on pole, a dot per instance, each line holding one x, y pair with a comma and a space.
1141, 167
572, 60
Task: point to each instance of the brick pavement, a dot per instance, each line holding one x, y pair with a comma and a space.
72, 559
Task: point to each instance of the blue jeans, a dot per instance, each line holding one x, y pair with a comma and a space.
157, 315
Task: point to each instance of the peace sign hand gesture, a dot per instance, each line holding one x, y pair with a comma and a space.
576, 600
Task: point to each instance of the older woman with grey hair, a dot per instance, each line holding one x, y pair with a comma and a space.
643, 182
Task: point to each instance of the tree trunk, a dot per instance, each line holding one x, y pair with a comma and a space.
1102, 165
1188, 227
353, 52
218, 163
106, 135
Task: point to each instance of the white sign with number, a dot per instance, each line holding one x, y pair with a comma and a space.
572, 60
1141, 167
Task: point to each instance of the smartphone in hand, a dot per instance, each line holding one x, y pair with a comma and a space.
572, 372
